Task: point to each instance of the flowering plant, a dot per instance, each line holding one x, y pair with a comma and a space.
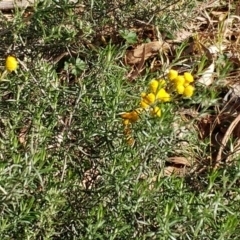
159, 91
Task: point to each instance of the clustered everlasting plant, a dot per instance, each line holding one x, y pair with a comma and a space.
158, 92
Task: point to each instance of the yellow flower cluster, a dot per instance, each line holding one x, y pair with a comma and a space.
182, 83
158, 92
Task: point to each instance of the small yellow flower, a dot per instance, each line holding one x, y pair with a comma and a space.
156, 111
11, 63
180, 88
188, 77
179, 80
172, 74
188, 91
149, 98
162, 95
143, 104
153, 85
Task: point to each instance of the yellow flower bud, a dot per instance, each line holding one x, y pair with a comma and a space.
188, 91
180, 88
126, 122
172, 74
11, 63
188, 77
153, 85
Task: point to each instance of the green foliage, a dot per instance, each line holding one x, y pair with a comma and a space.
75, 66
130, 37
66, 171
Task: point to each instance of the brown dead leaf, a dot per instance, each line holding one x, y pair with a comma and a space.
172, 170
178, 166
138, 68
179, 160
134, 56
181, 36
168, 171
22, 136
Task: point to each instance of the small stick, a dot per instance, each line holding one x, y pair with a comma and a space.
225, 139
11, 4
